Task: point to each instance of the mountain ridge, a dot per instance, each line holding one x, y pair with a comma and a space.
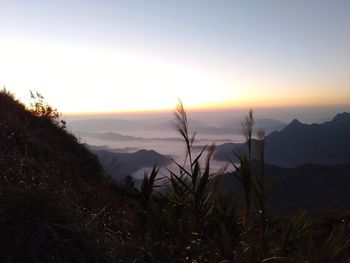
314, 188
298, 143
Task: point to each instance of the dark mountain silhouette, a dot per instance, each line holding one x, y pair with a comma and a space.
120, 165
311, 187
226, 151
268, 125
327, 143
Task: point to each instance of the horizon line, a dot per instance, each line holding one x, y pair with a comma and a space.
202, 109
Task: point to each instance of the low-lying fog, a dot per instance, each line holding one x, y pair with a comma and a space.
155, 131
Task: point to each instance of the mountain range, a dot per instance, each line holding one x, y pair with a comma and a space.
122, 164
114, 136
327, 143
314, 188
231, 126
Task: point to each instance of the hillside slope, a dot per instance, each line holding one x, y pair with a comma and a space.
51, 187
36, 149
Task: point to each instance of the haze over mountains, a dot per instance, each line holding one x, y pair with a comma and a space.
157, 136
286, 145
308, 164
123, 129
122, 164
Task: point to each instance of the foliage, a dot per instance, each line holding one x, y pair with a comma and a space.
40, 108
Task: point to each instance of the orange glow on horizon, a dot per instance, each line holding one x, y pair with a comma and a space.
225, 106
116, 81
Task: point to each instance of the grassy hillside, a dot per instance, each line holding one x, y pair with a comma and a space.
51, 190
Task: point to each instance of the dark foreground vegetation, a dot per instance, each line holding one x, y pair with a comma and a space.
57, 205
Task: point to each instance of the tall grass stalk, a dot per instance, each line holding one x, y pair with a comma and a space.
247, 130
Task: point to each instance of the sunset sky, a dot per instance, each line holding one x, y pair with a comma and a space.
101, 56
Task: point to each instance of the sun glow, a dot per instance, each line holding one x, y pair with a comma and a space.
87, 79
113, 57
94, 79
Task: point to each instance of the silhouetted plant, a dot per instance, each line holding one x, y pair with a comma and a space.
41, 109
247, 130
191, 185
335, 248
148, 183
244, 174
295, 233
261, 189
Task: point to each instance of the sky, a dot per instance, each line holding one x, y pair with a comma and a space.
120, 56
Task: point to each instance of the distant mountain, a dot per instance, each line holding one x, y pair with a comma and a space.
232, 126
113, 136
108, 148
225, 152
327, 143
314, 188
120, 165
268, 125
103, 125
